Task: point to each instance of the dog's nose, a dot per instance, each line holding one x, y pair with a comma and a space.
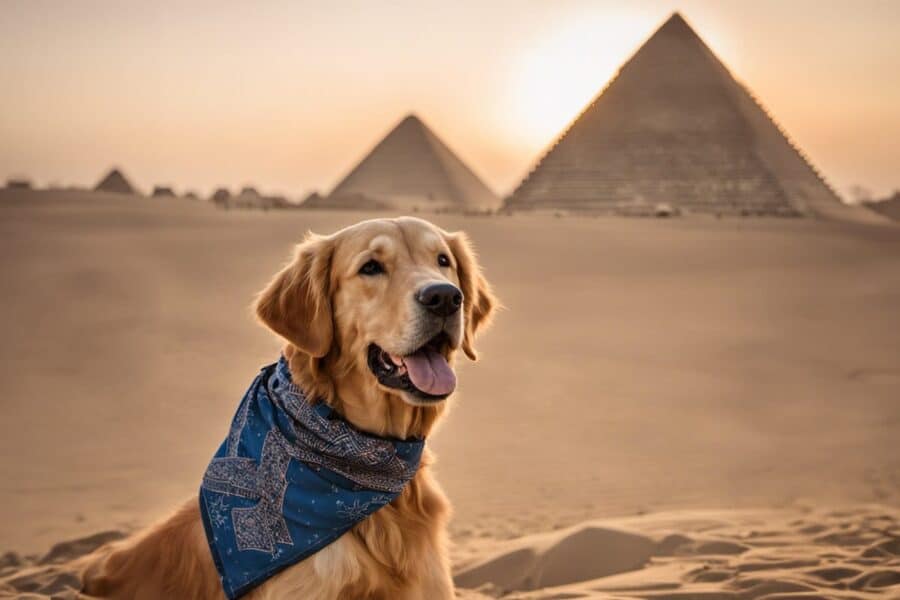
441, 299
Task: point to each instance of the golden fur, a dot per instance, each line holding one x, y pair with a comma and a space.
328, 315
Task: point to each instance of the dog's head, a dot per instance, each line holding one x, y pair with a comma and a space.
385, 303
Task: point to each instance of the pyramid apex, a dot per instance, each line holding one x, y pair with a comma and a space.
676, 24
411, 119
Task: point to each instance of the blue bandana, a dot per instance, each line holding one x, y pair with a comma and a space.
291, 478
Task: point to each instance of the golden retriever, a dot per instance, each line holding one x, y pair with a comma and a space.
353, 308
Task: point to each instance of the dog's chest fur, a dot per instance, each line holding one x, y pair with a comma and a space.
393, 554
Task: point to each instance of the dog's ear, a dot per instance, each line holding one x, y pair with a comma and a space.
479, 299
297, 302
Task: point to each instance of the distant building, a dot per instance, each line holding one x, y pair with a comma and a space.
674, 127
410, 169
351, 201
18, 183
249, 198
277, 201
163, 191
221, 197
115, 182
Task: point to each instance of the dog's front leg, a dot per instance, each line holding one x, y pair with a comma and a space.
435, 581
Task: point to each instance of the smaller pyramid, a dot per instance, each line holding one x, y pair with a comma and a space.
889, 207
410, 169
312, 197
115, 182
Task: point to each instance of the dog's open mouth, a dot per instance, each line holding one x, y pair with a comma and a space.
425, 373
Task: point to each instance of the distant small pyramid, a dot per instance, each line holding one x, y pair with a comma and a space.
410, 169
312, 197
889, 207
115, 182
674, 128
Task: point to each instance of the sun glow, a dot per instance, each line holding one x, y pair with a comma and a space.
557, 77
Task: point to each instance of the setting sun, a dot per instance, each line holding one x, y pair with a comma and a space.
554, 79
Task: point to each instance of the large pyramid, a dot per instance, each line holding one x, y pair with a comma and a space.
115, 182
410, 169
673, 127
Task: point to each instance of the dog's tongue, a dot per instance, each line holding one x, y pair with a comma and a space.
429, 371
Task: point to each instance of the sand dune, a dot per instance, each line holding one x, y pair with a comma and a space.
639, 367
700, 554
741, 555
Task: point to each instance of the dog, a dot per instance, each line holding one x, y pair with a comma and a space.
373, 317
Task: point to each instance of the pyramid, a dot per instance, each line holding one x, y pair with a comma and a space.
889, 207
115, 182
410, 169
673, 128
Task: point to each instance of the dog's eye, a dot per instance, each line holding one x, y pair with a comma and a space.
372, 267
443, 260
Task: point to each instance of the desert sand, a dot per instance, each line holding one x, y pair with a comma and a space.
686, 408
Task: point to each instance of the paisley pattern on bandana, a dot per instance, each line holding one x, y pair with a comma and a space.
290, 478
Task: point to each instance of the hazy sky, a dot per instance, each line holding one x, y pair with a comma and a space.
289, 95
